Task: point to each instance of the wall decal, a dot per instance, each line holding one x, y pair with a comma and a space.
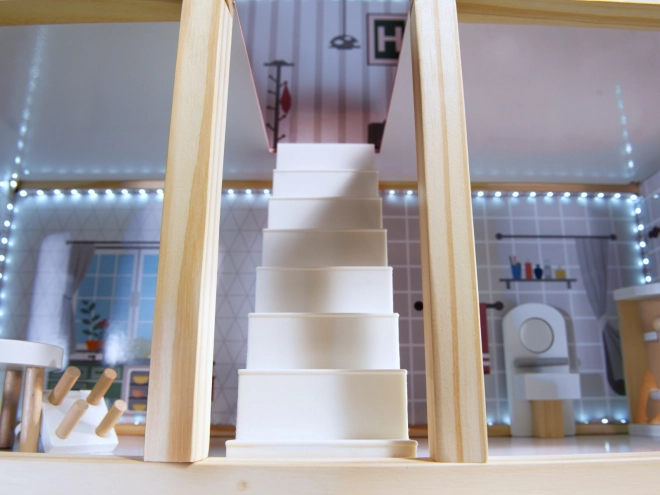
385, 37
344, 41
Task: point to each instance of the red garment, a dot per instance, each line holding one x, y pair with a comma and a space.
285, 99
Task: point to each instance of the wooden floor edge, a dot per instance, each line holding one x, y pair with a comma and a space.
586, 474
501, 460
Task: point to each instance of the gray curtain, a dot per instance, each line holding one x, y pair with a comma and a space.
60, 269
592, 256
79, 259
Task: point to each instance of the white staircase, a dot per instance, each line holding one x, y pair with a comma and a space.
323, 377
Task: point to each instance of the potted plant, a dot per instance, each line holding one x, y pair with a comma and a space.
96, 326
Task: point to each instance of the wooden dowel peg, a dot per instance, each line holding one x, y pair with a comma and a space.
111, 418
102, 386
10, 396
63, 387
547, 418
71, 419
31, 415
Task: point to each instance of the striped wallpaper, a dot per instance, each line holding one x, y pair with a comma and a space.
336, 94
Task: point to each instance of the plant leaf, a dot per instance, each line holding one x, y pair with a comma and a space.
86, 321
92, 306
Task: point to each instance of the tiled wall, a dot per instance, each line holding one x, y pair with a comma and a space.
650, 190
243, 217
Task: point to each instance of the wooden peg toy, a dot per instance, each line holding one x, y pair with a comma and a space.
80, 422
110, 419
71, 419
102, 386
64, 386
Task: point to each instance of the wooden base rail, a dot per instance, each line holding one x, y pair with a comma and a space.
586, 475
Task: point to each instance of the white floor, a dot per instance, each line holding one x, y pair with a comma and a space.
497, 446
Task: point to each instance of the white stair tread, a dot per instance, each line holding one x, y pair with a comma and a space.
322, 341
325, 156
322, 405
365, 449
323, 248
325, 184
325, 213
324, 290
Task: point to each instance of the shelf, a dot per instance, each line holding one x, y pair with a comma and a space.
567, 281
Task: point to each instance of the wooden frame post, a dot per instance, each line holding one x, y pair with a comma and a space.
452, 339
179, 411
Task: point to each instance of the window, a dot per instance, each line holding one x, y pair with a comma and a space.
122, 285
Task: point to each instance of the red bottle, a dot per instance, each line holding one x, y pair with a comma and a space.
529, 272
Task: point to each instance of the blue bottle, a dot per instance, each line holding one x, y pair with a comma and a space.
538, 272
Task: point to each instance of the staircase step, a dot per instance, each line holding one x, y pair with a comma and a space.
278, 341
324, 290
308, 405
325, 156
325, 184
324, 248
327, 213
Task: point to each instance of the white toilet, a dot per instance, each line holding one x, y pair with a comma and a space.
538, 367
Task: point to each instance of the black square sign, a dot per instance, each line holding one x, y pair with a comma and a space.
385, 37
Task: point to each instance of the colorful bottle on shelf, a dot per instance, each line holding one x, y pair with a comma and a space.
547, 269
560, 273
538, 272
529, 275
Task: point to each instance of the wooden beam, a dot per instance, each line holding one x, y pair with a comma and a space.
585, 474
178, 418
452, 339
24, 12
621, 14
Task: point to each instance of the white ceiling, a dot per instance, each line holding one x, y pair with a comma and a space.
540, 104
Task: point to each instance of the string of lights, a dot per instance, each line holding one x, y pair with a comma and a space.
117, 194
633, 199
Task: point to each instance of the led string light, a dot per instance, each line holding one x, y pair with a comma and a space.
633, 198
627, 145
641, 241
547, 194
118, 194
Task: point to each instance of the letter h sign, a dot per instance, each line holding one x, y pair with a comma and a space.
385, 38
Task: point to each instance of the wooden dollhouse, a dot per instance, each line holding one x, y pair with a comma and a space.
178, 423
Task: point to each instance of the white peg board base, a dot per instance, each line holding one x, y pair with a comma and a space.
83, 439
